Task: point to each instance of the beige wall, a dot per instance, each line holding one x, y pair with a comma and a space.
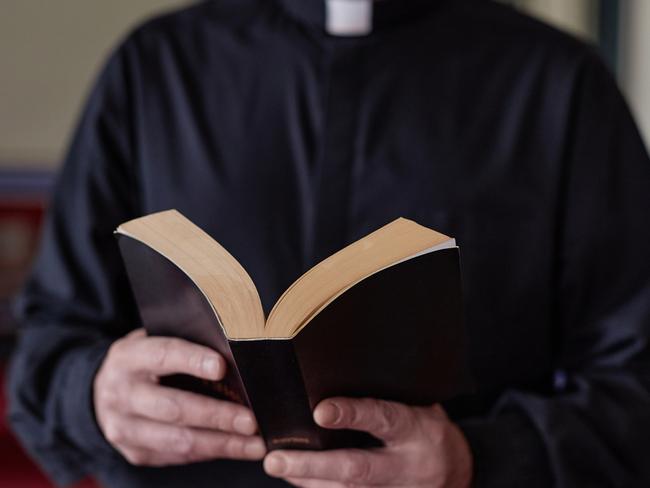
633, 71
579, 17
49, 53
634, 65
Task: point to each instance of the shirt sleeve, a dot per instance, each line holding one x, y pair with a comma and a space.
592, 429
77, 300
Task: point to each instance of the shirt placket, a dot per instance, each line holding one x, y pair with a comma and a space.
338, 150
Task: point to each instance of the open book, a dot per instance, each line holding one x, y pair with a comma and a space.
381, 317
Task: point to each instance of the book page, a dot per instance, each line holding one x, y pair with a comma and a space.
220, 277
389, 245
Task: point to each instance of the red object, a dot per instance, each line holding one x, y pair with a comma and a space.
16, 469
20, 223
23, 198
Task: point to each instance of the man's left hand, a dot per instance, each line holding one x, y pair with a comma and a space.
423, 448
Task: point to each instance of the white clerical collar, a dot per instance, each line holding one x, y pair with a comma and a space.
348, 17
357, 18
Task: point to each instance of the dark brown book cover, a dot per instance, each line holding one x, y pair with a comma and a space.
396, 335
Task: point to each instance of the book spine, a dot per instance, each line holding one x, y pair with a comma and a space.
273, 382
229, 388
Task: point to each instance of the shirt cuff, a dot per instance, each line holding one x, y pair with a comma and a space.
84, 449
78, 408
507, 452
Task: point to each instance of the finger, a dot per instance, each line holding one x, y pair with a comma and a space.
351, 466
179, 407
142, 457
182, 442
136, 334
388, 421
169, 355
437, 412
313, 483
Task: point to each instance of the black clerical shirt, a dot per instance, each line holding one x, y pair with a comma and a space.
286, 143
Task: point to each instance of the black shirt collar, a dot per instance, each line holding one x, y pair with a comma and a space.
385, 12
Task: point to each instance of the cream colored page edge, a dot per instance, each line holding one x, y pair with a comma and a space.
448, 244
214, 310
394, 230
122, 230
307, 273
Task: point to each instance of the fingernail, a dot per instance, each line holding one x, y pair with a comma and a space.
327, 413
244, 424
275, 465
210, 366
255, 449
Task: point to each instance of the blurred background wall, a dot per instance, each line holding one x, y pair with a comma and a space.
620, 29
49, 53
634, 59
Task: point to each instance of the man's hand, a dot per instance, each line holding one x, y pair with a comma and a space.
153, 425
423, 448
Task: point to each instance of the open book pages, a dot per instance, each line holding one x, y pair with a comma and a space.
232, 294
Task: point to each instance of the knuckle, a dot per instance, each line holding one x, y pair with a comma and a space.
219, 447
350, 415
185, 442
195, 361
233, 446
299, 467
119, 349
111, 361
191, 457
357, 470
437, 411
160, 353
135, 457
116, 348
202, 414
113, 432
107, 397
224, 417
388, 416
443, 433
168, 409
221, 420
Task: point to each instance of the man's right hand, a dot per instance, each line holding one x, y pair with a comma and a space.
153, 425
